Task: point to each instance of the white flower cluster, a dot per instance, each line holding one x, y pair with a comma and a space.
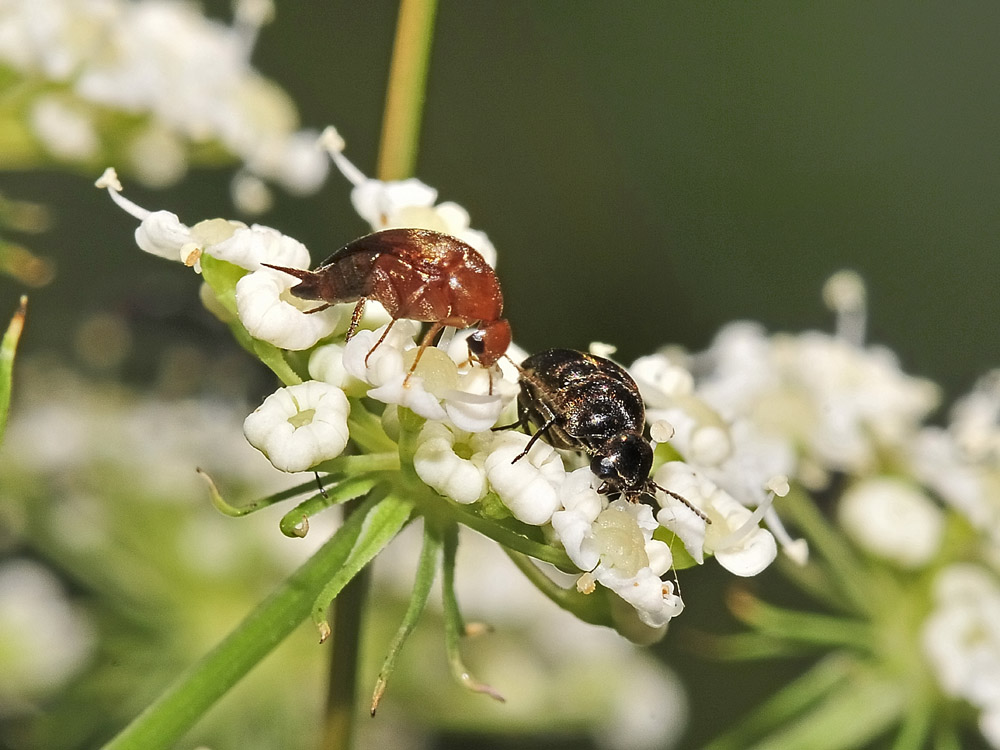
961, 463
814, 406
163, 59
624, 547
962, 641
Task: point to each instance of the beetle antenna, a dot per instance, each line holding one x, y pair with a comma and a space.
697, 511
515, 364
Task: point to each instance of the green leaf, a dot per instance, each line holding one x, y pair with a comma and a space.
454, 626
430, 554
8, 348
295, 523
381, 525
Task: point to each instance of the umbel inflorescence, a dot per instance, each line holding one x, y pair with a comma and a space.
409, 430
351, 395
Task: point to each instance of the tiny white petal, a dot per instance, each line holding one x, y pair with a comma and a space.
680, 478
654, 599
378, 363
751, 551
752, 556
375, 200
573, 524
248, 247
162, 233
412, 395
472, 412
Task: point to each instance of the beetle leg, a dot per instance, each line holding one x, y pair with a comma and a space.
320, 308
534, 438
380, 339
425, 342
355, 319
521, 422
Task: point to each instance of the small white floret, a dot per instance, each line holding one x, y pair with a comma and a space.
529, 486
271, 314
892, 519
440, 466
300, 426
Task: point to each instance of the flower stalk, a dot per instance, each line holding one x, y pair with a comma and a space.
8, 348
406, 90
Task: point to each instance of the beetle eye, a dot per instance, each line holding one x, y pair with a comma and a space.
477, 343
603, 467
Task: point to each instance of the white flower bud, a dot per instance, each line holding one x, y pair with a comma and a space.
439, 466
271, 314
893, 520
300, 426
326, 363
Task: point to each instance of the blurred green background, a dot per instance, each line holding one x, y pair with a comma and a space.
647, 172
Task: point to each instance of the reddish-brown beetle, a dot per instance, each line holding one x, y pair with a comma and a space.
417, 274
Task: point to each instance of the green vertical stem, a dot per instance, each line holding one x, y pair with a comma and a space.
342, 686
404, 100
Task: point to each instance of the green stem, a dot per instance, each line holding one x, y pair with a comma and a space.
295, 523
397, 156
407, 85
454, 625
804, 627
592, 608
342, 674
166, 720
843, 566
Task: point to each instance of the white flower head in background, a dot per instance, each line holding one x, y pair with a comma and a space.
961, 640
190, 75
